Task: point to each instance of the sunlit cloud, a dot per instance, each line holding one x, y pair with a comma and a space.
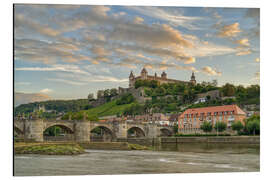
243, 52
210, 71
46, 91
243, 42
257, 60
229, 31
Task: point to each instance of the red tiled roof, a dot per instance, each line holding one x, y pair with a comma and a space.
213, 109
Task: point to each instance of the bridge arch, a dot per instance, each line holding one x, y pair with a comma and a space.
66, 133
135, 131
165, 132
101, 133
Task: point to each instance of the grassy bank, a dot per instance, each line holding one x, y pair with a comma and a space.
66, 148
48, 148
113, 146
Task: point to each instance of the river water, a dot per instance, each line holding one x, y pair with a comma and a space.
169, 158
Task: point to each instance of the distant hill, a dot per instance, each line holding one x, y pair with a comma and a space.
24, 98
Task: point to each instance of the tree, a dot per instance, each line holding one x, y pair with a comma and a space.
220, 126
113, 92
175, 128
252, 125
214, 83
237, 126
206, 126
228, 90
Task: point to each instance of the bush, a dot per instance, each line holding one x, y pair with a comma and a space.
237, 126
220, 126
125, 99
206, 126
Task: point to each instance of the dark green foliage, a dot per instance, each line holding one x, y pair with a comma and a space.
237, 126
175, 129
228, 90
125, 99
146, 83
135, 109
206, 126
220, 126
56, 105
53, 131
252, 125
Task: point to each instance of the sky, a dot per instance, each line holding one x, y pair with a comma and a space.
69, 51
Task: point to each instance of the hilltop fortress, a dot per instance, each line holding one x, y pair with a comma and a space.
138, 93
162, 79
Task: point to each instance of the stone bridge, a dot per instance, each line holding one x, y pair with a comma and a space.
34, 128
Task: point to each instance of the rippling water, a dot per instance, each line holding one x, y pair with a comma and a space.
183, 158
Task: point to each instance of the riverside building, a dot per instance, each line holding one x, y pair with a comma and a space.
190, 120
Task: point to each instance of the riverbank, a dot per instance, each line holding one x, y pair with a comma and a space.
71, 148
48, 148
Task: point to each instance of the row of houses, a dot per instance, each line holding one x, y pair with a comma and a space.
191, 119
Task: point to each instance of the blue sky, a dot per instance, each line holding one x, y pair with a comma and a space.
70, 51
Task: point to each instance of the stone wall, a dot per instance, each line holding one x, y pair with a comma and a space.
215, 139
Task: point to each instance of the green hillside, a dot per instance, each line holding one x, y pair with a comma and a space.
107, 109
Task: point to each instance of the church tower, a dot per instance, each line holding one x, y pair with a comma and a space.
192, 79
144, 74
131, 79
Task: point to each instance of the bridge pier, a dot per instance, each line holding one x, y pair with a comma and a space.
120, 130
82, 131
33, 129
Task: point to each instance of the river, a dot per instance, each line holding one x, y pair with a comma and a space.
169, 158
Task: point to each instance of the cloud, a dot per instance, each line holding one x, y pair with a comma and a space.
190, 60
243, 42
257, 59
67, 81
46, 91
138, 20
210, 71
22, 83
57, 67
229, 31
243, 52
170, 15
154, 35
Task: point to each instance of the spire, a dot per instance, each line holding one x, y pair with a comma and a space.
192, 79
131, 74
192, 76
